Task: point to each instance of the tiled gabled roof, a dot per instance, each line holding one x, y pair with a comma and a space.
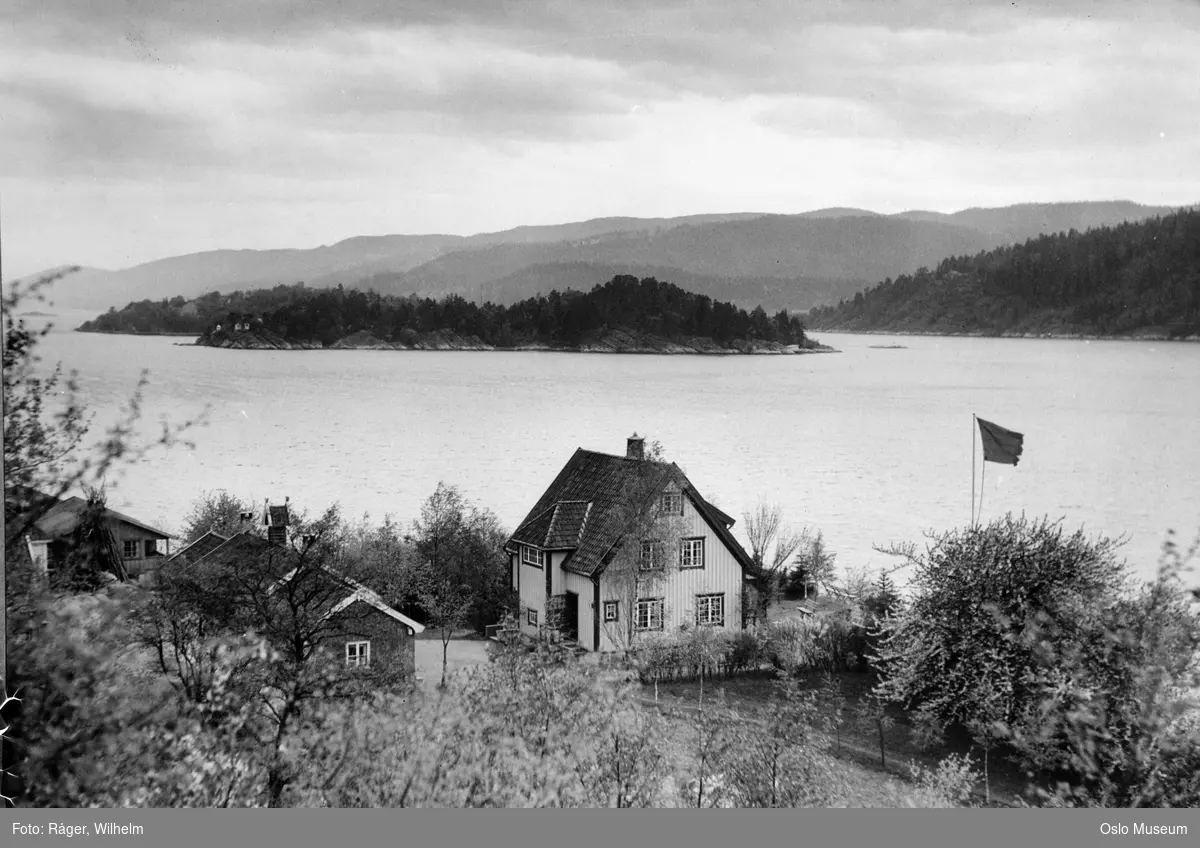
201, 547
586, 508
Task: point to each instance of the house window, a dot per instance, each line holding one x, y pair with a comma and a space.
672, 503
151, 547
531, 617
710, 610
532, 556
648, 615
691, 553
358, 653
129, 549
652, 557
611, 611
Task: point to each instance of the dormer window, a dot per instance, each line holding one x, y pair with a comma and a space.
531, 556
672, 503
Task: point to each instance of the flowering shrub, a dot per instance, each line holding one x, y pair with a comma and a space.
819, 643
696, 652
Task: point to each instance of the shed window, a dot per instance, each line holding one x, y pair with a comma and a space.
129, 549
358, 653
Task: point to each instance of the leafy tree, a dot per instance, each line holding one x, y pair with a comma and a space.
871, 716
948, 785
463, 576
780, 760
772, 544
973, 592
46, 457
710, 751
833, 702
386, 558
1038, 640
218, 511
1116, 719
814, 567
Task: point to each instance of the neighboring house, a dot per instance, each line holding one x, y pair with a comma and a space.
566, 554
356, 625
141, 547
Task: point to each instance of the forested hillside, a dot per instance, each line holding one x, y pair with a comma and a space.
180, 315
646, 310
1134, 279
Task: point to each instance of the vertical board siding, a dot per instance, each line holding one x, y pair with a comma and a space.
583, 587
533, 594
721, 575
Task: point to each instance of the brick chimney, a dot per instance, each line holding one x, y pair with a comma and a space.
635, 447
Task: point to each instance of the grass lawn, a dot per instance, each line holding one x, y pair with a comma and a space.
460, 654
876, 784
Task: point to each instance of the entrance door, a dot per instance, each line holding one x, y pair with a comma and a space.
570, 624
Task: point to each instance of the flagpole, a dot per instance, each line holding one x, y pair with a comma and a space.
973, 427
982, 478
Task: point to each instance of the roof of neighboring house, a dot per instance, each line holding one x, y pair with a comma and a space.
201, 547
585, 509
247, 544
242, 545
63, 517
370, 598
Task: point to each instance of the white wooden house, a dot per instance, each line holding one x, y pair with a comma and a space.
566, 555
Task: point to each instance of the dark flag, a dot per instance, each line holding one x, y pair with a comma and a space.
1000, 445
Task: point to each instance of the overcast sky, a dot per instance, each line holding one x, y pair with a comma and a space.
136, 129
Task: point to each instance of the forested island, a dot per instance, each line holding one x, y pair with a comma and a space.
1136, 280
625, 315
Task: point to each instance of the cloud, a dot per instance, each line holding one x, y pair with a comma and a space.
390, 116
1079, 85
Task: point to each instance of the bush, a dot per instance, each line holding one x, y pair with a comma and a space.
694, 652
818, 643
948, 785
745, 651
958, 648
1037, 640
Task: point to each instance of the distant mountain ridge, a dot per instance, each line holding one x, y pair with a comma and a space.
780, 261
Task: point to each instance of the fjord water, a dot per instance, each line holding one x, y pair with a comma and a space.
870, 445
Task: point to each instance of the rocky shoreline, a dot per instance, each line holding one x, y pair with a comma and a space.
1148, 336
617, 341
